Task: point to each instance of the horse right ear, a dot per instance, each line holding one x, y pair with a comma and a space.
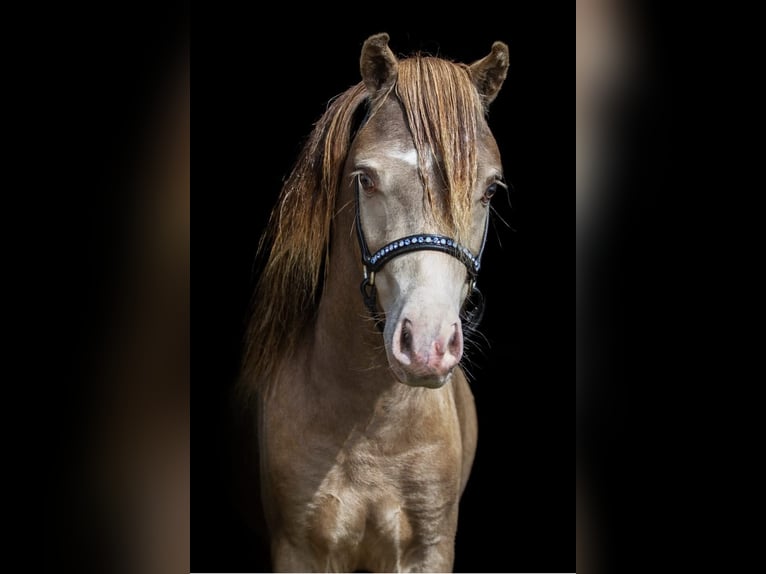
488, 74
378, 64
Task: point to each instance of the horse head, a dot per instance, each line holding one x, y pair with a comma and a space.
424, 166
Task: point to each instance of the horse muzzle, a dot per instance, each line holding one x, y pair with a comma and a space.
424, 351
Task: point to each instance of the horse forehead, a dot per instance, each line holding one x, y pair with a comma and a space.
387, 131
385, 142
387, 136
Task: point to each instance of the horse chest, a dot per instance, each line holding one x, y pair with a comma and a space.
373, 507
377, 492
354, 502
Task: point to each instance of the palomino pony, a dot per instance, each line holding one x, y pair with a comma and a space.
366, 424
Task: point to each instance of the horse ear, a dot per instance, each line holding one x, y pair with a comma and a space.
378, 64
488, 74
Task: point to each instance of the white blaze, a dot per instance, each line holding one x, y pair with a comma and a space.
409, 157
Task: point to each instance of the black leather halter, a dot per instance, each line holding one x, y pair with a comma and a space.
473, 306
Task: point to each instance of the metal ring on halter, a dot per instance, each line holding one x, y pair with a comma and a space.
419, 242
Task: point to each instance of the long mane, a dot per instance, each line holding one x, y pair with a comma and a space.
443, 110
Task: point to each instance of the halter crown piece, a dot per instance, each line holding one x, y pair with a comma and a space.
473, 306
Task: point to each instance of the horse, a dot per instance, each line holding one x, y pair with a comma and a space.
366, 424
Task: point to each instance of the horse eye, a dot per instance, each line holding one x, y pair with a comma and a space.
366, 182
488, 193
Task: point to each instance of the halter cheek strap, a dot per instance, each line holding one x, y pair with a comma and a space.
473, 306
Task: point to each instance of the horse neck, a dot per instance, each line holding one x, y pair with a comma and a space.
348, 351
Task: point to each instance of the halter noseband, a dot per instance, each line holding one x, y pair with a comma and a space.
473, 307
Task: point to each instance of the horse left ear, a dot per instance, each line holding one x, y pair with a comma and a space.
488, 74
378, 64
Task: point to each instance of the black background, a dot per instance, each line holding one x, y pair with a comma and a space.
259, 86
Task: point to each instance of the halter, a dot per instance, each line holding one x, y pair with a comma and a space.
473, 306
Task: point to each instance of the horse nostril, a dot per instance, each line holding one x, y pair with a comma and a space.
405, 340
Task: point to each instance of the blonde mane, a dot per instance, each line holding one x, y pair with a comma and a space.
443, 111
